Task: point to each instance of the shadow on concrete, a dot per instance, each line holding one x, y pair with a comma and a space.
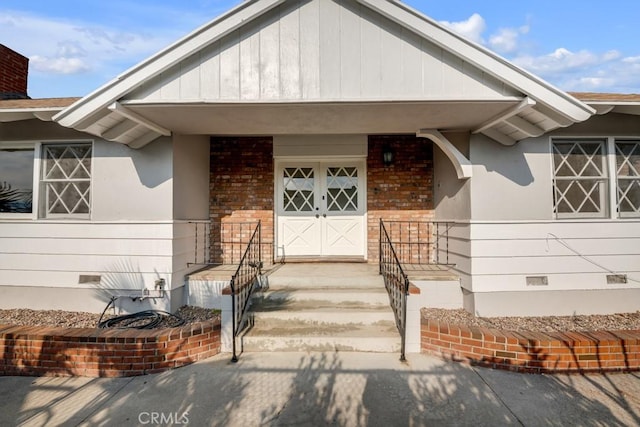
343, 389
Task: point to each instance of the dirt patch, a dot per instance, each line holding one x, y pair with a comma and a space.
612, 322
76, 319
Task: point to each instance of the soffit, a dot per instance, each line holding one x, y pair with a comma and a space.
107, 111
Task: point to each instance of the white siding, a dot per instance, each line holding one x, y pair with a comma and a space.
54, 254
575, 255
321, 50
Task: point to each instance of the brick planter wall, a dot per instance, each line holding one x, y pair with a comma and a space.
533, 352
37, 351
402, 191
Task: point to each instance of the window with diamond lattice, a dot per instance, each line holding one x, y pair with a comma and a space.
342, 189
298, 189
580, 178
628, 175
66, 179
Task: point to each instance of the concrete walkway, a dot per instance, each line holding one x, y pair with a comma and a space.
314, 389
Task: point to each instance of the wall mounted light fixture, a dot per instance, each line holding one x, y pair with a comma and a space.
387, 155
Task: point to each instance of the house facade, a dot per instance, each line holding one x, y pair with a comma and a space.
320, 118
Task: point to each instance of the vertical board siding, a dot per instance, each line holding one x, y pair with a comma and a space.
321, 50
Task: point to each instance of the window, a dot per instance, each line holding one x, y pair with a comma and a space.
583, 186
628, 178
66, 179
580, 178
16, 180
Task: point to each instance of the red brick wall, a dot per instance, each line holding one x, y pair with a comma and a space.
38, 351
13, 74
241, 191
533, 352
402, 191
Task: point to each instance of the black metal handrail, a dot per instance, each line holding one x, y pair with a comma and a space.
397, 284
420, 242
202, 231
243, 283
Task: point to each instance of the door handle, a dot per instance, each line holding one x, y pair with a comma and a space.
317, 216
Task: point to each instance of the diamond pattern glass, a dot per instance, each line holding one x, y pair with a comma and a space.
342, 189
298, 189
67, 178
628, 175
580, 178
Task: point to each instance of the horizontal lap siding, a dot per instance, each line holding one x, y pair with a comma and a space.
574, 255
54, 254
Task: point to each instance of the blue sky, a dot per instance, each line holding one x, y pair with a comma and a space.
75, 46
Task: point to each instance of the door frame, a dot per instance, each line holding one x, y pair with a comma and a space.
280, 162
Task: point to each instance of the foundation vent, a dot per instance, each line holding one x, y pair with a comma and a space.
537, 281
616, 279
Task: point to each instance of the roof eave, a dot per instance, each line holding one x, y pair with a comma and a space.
486, 60
113, 90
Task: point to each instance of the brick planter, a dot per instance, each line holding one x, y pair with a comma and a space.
533, 352
38, 351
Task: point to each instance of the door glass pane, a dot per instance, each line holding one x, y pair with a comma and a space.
298, 185
342, 189
16, 180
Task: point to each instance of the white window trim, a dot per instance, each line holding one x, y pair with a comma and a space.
36, 145
42, 208
28, 145
614, 165
612, 180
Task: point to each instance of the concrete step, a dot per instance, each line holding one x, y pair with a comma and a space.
306, 336
301, 276
375, 296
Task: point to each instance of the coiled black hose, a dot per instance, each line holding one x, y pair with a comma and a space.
147, 319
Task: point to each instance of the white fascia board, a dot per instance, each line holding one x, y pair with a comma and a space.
183, 48
18, 114
482, 58
464, 168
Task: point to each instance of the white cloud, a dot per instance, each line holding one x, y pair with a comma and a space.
59, 65
505, 40
57, 46
471, 28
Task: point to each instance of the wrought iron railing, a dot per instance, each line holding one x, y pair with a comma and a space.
420, 242
396, 282
201, 250
243, 283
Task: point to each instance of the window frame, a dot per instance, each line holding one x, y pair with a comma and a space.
604, 178
42, 196
35, 195
622, 140
611, 181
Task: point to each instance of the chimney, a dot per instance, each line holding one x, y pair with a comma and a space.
13, 74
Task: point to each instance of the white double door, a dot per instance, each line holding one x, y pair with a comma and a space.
321, 208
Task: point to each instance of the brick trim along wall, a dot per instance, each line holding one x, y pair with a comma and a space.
402, 191
533, 352
38, 351
241, 191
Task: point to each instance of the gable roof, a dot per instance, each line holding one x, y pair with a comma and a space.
538, 107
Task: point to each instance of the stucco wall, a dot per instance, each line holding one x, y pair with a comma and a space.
132, 184
511, 183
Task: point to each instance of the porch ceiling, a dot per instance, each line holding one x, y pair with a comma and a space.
321, 118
